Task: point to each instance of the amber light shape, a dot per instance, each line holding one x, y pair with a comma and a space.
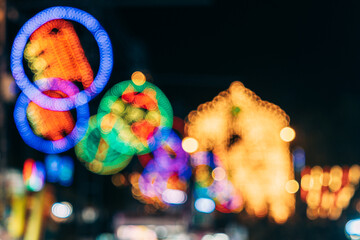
52, 125
244, 132
55, 50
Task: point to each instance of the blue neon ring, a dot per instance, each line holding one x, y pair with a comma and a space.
48, 146
105, 50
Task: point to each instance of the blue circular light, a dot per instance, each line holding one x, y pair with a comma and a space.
39, 143
105, 66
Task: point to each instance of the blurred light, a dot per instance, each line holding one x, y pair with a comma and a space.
243, 131
221, 236
105, 52
137, 118
358, 206
218, 174
138, 78
34, 175
173, 196
59, 169
118, 180
97, 155
190, 145
62, 210
57, 47
51, 125
299, 159
327, 191
352, 228
207, 237
307, 182
132, 232
106, 236
38, 143
287, 134
292, 186
204, 205
161, 232
8, 87
89, 214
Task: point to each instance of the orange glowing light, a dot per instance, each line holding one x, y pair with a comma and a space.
52, 125
243, 131
190, 145
138, 78
55, 50
287, 134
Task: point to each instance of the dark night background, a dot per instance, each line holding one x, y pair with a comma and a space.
301, 55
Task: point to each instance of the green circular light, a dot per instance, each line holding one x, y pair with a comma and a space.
131, 110
97, 155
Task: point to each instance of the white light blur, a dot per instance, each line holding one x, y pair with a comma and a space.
352, 228
89, 214
207, 237
221, 236
62, 210
174, 196
204, 205
161, 232
133, 232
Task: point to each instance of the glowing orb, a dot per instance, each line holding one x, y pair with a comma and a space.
135, 118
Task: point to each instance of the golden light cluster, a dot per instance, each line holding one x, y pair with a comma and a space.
245, 133
327, 191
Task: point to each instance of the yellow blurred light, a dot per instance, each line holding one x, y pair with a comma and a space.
243, 132
312, 213
327, 200
316, 171
307, 182
138, 78
313, 199
323, 213
292, 186
287, 134
336, 171
335, 213
218, 174
190, 144
354, 174
325, 179
335, 184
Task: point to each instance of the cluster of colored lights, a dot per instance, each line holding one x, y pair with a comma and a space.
56, 58
135, 118
34, 175
166, 171
132, 119
251, 138
213, 190
327, 191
